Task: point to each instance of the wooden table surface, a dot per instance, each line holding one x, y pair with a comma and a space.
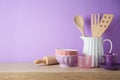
30, 71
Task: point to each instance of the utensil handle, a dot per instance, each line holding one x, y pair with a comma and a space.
110, 44
83, 34
39, 61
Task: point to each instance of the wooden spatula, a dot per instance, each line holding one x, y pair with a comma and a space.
104, 23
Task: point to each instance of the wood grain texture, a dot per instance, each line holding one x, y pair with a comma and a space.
29, 71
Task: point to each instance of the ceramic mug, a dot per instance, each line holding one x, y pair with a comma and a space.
108, 59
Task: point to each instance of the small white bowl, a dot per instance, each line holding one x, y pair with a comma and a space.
67, 60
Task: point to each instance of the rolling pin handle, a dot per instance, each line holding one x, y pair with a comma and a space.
39, 61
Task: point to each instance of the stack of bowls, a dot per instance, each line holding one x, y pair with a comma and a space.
66, 57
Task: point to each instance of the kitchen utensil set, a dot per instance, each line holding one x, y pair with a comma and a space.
98, 27
93, 46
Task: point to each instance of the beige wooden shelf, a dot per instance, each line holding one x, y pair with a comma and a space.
30, 71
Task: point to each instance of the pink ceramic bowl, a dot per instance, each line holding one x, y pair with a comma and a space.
67, 60
66, 52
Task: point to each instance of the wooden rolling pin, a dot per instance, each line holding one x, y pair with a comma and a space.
47, 60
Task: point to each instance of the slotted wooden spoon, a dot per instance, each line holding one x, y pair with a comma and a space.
80, 24
104, 23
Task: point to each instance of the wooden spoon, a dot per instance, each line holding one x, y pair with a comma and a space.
80, 24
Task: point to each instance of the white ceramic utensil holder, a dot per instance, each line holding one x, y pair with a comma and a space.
94, 47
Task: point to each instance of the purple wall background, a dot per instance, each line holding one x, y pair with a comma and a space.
30, 29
